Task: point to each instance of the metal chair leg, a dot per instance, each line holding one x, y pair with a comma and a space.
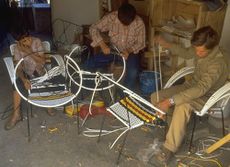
31, 111
222, 117
78, 120
193, 129
104, 116
166, 127
28, 121
102, 124
111, 95
122, 146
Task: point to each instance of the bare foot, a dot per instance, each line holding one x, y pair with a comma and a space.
12, 121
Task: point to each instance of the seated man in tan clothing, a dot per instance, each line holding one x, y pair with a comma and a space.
29, 48
211, 72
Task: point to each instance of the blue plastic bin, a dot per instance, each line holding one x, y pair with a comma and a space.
148, 82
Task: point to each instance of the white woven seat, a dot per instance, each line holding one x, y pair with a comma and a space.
125, 116
132, 111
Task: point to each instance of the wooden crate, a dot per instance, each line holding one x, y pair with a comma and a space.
159, 11
191, 10
215, 19
162, 11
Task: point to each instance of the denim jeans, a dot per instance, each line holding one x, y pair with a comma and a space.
132, 67
132, 71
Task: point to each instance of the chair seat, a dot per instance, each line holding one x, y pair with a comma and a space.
126, 117
48, 99
57, 83
133, 114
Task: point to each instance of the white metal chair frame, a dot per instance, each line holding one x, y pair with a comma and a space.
127, 118
216, 103
60, 69
11, 69
55, 102
87, 75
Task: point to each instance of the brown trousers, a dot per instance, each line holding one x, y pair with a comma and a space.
180, 118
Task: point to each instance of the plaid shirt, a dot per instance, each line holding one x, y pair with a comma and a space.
124, 37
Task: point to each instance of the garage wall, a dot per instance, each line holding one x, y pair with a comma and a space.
79, 12
76, 11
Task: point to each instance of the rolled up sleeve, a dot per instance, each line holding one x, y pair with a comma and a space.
101, 26
186, 53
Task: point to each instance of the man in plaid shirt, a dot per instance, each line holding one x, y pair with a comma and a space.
126, 31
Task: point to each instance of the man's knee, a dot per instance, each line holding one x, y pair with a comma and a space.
182, 110
132, 73
154, 98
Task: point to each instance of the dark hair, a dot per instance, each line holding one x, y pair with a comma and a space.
206, 36
126, 13
19, 34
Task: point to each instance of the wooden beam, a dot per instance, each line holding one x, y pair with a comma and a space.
218, 144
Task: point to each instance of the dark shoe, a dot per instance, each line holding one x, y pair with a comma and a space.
164, 155
10, 124
51, 112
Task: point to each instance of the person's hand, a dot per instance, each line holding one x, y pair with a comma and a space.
161, 41
40, 59
105, 49
161, 116
163, 106
125, 54
27, 84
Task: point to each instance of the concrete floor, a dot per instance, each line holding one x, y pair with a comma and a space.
65, 148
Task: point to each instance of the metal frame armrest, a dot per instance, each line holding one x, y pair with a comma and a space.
179, 74
222, 93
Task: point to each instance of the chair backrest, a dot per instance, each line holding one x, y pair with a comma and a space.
45, 45
12, 48
10, 67
220, 100
179, 74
